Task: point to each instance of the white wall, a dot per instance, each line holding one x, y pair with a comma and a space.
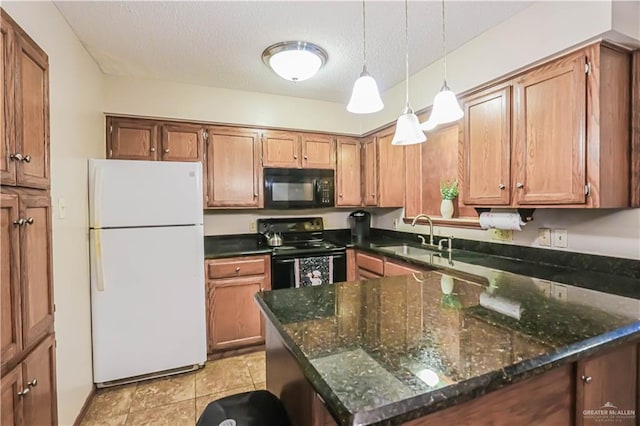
164, 99
239, 222
77, 133
606, 232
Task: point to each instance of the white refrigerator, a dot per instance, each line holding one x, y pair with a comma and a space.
147, 268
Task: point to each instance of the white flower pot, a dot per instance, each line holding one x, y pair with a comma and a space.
446, 209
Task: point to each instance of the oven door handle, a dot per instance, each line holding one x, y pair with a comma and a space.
285, 260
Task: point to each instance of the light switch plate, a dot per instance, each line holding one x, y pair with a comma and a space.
62, 208
252, 226
560, 238
560, 292
544, 237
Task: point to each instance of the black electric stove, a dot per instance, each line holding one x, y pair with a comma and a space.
304, 258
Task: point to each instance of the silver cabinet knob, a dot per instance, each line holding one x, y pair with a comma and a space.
166, 150
305, 157
16, 157
152, 149
27, 158
586, 379
19, 222
29, 221
295, 157
24, 392
33, 383
340, 195
502, 186
255, 195
237, 269
520, 185
373, 195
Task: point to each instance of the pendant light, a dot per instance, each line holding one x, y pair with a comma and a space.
445, 105
365, 97
408, 130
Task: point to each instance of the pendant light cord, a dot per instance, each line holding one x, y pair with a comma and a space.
364, 36
444, 46
406, 47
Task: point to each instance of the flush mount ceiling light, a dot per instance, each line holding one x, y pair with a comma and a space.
445, 104
365, 97
408, 130
294, 60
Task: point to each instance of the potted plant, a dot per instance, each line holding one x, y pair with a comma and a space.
448, 191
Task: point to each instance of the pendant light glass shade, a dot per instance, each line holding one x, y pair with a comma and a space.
428, 125
445, 108
408, 131
365, 97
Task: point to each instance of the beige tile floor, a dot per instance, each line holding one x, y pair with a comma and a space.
176, 400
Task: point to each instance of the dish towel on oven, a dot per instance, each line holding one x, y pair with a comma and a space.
313, 271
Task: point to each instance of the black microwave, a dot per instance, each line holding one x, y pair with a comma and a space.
298, 188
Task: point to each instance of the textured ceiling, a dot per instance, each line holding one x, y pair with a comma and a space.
220, 44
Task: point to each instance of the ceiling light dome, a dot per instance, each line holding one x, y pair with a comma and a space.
294, 60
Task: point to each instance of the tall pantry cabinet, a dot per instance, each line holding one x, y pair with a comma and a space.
27, 341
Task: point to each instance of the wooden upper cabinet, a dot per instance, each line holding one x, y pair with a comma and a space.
413, 180
36, 271
32, 114
132, 139
182, 142
39, 375
10, 334
7, 90
369, 172
318, 151
348, 173
233, 172
550, 133
486, 147
390, 165
281, 149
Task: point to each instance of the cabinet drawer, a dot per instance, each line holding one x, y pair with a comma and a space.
236, 267
370, 263
364, 274
393, 269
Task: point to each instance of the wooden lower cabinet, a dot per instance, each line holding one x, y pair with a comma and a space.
29, 389
233, 317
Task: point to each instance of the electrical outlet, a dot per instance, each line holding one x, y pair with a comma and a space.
252, 226
62, 208
560, 292
545, 287
501, 234
560, 238
395, 223
544, 237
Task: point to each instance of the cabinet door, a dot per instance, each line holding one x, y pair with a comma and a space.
487, 147
550, 127
390, 169
318, 151
348, 173
413, 180
7, 120
10, 334
234, 177
182, 143
281, 149
370, 173
234, 318
12, 407
39, 374
608, 379
132, 139
35, 268
32, 114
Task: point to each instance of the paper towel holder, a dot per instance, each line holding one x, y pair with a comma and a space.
526, 215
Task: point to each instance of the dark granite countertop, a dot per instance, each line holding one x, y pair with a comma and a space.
389, 350
233, 245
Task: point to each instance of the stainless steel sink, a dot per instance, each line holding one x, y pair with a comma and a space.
407, 250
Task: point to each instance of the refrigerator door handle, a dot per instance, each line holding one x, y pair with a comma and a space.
98, 252
97, 196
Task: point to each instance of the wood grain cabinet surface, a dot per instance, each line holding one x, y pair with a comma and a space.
298, 150
348, 173
233, 172
25, 118
132, 139
182, 142
233, 318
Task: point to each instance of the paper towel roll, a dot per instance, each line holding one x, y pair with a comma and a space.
502, 305
511, 221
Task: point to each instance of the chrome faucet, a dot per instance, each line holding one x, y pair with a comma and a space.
413, 223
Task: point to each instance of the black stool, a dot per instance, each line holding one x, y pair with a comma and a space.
255, 408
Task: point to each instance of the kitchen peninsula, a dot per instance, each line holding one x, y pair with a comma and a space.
450, 347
